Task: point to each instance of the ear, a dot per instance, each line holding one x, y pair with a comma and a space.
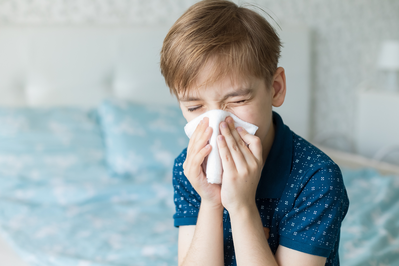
278, 87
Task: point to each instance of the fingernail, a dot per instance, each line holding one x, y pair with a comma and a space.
220, 137
224, 124
239, 129
200, 122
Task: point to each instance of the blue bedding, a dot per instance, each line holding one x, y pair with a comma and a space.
90, 219
61, 205
370, 231
100, 222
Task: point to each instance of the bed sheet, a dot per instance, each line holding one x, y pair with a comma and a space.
370, 231
92, 219
88, 218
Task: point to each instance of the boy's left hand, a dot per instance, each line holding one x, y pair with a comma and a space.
242, 166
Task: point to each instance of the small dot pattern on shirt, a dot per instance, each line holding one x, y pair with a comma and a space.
307, 217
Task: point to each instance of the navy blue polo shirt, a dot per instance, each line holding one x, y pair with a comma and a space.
301, 198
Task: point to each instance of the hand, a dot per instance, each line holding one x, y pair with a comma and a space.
242, 166
197, 150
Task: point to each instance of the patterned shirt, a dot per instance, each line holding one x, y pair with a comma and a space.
301, 198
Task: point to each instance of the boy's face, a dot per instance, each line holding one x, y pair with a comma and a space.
248, 99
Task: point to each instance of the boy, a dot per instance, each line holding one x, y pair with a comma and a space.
282, 200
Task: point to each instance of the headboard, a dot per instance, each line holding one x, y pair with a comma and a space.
81, 65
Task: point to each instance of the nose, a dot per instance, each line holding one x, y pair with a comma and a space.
217, 106
220, 107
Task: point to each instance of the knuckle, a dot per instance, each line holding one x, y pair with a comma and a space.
255, 164
241, 143
234, 178
256, 141
186, 170
234, 147
245, 171
258, 164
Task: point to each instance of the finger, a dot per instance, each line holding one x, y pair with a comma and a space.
204, 139
235, 151
199, 144
198, 132
224, 152
254, 143
200, 157
240, 142
193, 167
202, 125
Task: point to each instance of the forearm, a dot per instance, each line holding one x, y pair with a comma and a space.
207, 245
250, 243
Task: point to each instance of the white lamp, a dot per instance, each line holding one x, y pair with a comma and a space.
389, 61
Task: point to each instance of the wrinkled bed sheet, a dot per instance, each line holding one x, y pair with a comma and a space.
89, 219
370, 231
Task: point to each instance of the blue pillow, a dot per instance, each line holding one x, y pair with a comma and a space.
56, 139
141, 137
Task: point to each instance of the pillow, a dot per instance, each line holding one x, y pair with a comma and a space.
37, 140
141, 136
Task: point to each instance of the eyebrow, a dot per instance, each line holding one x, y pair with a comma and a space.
240, 92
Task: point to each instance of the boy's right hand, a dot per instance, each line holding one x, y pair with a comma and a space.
197, 150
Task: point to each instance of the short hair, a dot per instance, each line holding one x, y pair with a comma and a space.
239, 41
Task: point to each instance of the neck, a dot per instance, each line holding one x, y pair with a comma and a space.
267, 144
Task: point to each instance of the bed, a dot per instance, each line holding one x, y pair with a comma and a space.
87, 141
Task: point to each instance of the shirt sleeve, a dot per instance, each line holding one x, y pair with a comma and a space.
313, 225
187, 200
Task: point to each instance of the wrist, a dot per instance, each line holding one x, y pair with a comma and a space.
243, 210
209, 205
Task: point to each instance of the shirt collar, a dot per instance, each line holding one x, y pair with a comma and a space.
277, 167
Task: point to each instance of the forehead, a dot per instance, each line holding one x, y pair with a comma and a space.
217, 73
225, 86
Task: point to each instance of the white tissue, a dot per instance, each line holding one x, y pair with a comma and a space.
214, 164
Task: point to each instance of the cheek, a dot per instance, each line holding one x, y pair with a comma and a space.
188, 116
260, 118
248, 115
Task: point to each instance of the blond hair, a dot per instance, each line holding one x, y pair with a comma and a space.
239, 41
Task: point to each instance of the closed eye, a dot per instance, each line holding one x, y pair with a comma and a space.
192, 109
